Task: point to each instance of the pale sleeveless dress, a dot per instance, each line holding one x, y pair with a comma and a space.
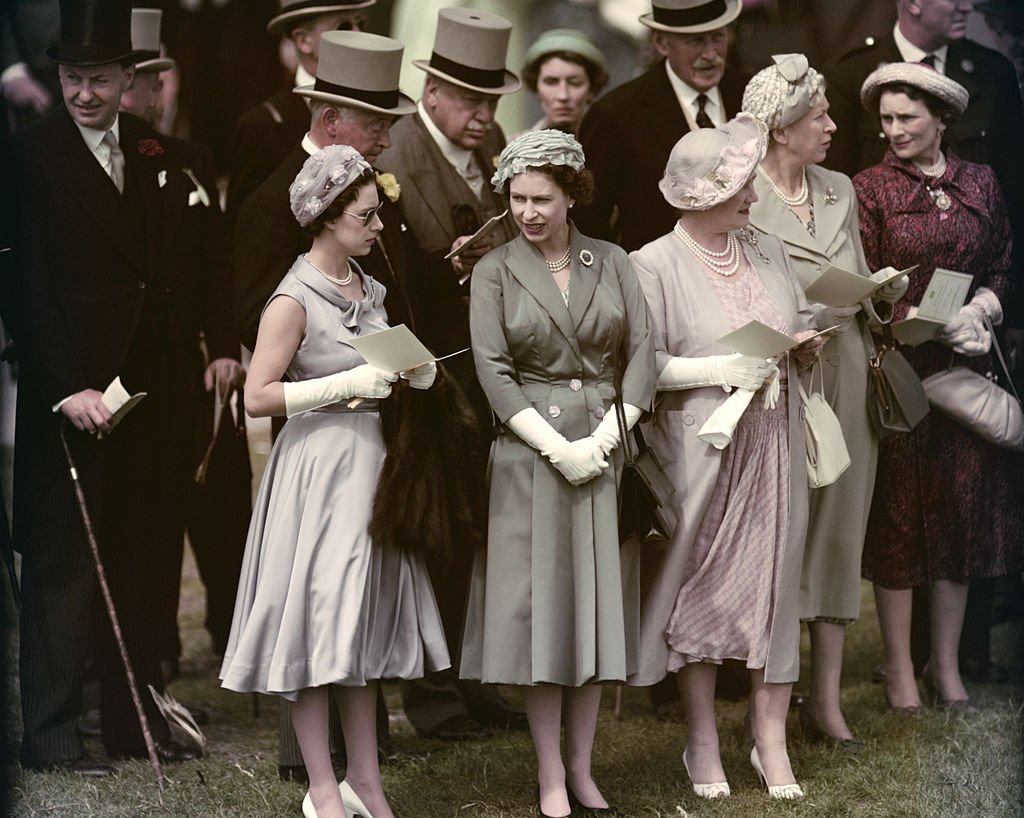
319, 603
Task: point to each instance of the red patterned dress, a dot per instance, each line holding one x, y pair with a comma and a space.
947, 505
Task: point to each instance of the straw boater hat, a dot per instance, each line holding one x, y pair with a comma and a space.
470, 47
293, 10
359, 70
93, 32
146, 41
918, 75
691, 16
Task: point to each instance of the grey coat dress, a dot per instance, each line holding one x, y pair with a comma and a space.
688, 319
838, 514
554, 599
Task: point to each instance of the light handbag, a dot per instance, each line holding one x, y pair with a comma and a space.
896, 398
979, 402
646, 513
827, 455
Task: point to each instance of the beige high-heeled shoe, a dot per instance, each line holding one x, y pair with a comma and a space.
308, 810
788, 792
354, 805
720, 789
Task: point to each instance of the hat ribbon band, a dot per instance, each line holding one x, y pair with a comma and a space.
481, 77
380, 99
288, 8
690, 17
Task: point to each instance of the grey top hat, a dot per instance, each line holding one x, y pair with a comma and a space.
293, 10
146, 41
691, 16
360, 70
93, 32
470, 47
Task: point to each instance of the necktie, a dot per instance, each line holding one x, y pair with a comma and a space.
116, 170
703, 120
929, 60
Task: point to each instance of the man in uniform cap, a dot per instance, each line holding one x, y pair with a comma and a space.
627, 134
443, 158
103, 264
265, 134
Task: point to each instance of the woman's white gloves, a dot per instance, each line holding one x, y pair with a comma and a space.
966, 334
363, 381
578, 461
727, 371
607, 432
422, 376
894, 290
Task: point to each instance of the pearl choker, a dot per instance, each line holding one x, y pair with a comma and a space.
934, 170
789, 201
559, 263
725, 263
341, 282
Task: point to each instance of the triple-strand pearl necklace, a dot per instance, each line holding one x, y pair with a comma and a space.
725, 263
789, 201
559, 263
341, 282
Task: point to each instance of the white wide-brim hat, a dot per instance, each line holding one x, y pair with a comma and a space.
359, 70
292, 10
470, 48
691, 16
146, 41
919, 75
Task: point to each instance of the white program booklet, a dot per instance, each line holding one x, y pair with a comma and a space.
946, 294
761, 341
836, 287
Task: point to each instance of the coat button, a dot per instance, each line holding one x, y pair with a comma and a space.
599, 412
688, 420
575, 384
554, 411
142, 285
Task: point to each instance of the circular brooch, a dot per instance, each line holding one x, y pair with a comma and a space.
586, 258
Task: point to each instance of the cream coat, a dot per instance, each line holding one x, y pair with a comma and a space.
688, 319
830, 584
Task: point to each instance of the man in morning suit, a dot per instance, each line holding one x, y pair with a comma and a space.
988, 132
105, 269
443, 158
265, 134
627, 134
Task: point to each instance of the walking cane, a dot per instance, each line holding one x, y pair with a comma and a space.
108, 600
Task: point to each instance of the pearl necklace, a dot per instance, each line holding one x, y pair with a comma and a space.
934, 170
789, 201
725, 263
559, 263
341, 282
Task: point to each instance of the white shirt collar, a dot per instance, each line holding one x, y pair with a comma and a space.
458, 157
911, 53
94, 138
308, 145
303, 77
687, 96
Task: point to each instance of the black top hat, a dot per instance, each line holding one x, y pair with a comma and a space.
94, 32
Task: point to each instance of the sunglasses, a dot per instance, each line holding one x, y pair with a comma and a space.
366, 217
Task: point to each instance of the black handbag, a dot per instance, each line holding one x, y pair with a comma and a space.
646, 513
896, 398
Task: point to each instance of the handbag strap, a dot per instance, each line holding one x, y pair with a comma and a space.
624, 436
1002, 361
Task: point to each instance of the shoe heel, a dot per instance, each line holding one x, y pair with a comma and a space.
353, 804
786, 792
720, 789
308, 810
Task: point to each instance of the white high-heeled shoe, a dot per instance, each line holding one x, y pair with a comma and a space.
308, 810
354, 805
719, 789
788, 792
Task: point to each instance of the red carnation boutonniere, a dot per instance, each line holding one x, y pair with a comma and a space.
150, 147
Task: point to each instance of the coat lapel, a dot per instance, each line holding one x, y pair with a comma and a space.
583, 279
526, 265
666, 121
433, 170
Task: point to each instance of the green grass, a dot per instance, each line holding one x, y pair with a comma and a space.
938, 766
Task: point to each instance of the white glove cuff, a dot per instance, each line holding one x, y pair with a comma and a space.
989, 303
303, 396
690, 373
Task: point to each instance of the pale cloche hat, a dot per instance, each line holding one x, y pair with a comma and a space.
709, 165
691, 16
146, 41
359, 70
782, 93
919, 75
470, 48
293, 10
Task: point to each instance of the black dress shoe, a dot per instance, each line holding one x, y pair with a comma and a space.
172, 752
83, 767
459, 728
583, 811
499, 716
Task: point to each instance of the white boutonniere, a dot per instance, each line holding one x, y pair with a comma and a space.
199, 194
389, 184
161, 178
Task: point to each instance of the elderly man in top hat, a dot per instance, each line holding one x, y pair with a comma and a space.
443, 157
627, 135
265, 134
106, 266
207, 317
